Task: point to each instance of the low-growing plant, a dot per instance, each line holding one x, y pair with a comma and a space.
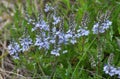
66, 39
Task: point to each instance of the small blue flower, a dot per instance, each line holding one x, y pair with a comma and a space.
38, 42
46, 44
56, 51
82, 32
42, 42
42, 25
73, 41
14, 49
61, 38
52, 40
48, 8
100, 28
56, 20
97, 29
25, 43
110, 70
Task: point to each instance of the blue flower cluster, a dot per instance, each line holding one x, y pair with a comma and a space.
14, 49
111, 70
50, 33
42, 42
101, 27
41, 25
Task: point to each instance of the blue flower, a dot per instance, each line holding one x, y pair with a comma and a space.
82, 32
25, 43
73, 41
42, 25
110, 70
42, 42
38, 41
14, 49
56, 51
101, 27
48, 8
56, 20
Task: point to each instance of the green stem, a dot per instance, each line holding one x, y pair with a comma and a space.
41, 70
82, 58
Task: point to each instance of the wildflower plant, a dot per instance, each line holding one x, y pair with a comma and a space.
64, 40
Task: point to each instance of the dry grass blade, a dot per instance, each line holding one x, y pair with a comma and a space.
18, 76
